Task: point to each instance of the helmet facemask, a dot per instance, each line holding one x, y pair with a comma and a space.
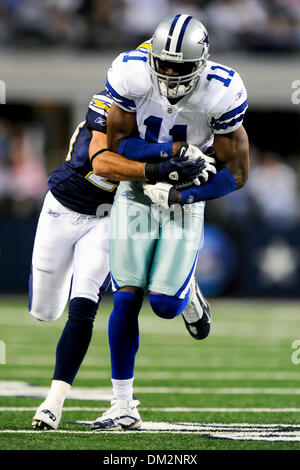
182, 82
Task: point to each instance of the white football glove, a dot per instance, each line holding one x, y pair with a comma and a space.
159, 193
193, 153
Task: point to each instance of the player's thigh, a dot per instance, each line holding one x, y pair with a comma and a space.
133, 236
181, 236
51, 261
91, 271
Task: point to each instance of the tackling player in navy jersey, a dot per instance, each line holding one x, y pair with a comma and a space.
70, 258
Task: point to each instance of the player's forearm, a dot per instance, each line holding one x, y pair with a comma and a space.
118, 168
233, 152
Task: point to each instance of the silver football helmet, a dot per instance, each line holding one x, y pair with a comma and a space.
180, 42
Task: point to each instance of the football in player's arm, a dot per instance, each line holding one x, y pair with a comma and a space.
231, 153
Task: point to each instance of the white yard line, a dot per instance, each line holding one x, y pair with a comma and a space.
151, 325
215, 361
15, 388
165, 410
167, 375
232, 431
220, 391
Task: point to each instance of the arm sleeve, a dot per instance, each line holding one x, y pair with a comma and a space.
217, 186
143, 151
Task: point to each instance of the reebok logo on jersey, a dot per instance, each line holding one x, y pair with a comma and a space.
189, 200
239, 95
163, 154
128, 195
101, 121
52, 213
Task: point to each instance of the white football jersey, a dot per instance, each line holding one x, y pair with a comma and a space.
216, 105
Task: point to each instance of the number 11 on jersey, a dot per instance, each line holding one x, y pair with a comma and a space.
153, 126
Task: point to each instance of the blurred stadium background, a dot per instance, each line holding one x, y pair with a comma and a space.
54, 56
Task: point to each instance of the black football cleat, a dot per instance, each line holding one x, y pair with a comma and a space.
196, 315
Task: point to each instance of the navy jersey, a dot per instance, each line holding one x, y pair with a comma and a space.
74, 184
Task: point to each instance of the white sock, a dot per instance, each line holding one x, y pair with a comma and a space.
123, 388
57, 393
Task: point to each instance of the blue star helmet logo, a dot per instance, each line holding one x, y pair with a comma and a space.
204, 40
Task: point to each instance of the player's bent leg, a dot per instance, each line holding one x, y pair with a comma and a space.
166, 306
123, 333
196, 315
50, 279
175, 276
91, 279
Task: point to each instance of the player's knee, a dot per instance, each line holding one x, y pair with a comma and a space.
44, 314
166, 306
43, 302
128, 299
82, 309
136, 290
44, 310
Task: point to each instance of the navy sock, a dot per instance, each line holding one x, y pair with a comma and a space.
166, 306
75, 339
123, 333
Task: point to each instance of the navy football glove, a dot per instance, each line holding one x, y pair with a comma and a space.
176, 169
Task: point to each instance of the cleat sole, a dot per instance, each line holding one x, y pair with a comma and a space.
38, 424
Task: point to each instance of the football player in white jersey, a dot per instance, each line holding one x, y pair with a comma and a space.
71, 243
165, 90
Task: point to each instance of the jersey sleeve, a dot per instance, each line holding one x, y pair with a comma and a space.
117, 84
127, 78
99, 107
228, 113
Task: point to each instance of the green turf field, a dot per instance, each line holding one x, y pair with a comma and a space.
240, 384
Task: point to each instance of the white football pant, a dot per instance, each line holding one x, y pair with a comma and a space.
70, 258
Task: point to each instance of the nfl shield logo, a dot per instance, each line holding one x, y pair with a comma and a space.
170, 110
